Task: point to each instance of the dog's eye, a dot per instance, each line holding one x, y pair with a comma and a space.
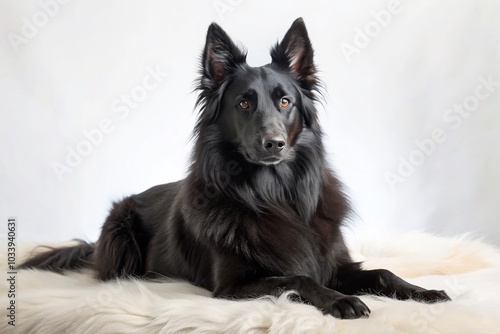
284, 102
244, 104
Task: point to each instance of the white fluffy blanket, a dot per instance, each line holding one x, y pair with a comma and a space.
467, 269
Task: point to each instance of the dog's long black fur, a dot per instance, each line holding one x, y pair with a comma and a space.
260, 211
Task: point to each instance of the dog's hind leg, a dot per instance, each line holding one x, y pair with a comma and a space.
121, 246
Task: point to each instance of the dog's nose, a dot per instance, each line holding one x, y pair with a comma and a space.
274, 145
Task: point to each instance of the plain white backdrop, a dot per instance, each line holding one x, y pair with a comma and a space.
97, 103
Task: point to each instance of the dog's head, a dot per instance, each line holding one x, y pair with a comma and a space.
261, 110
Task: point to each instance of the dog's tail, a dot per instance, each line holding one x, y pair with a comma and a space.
60, 259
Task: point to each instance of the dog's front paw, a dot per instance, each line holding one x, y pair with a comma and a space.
347, 307
431, 296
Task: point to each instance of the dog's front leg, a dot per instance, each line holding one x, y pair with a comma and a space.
383, 282
235, 278
327, 300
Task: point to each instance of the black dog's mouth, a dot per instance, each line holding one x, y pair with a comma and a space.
273, 160
266, 160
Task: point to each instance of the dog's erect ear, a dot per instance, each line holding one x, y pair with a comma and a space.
220, 56
295, 52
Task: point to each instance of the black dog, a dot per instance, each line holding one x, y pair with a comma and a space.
260, 211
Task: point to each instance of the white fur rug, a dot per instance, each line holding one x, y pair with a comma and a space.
467, 269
